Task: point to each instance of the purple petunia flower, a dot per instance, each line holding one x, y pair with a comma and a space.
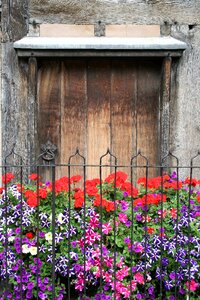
30, 285
124, 205
18, 230
42, 295
29, 295
125, 194
151, 290
127, 240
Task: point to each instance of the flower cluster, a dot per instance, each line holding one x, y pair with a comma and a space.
107, 240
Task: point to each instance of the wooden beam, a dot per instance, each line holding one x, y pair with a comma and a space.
32, 109
164, 106
98, 53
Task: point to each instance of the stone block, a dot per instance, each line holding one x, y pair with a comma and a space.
66, 30
132, 30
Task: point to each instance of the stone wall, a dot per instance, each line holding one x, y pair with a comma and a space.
178, 18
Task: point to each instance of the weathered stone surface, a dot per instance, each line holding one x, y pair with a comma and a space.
116, 12
14, 19
14, 119
185, 104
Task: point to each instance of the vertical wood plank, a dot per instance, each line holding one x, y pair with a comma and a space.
98, 113
49, 116
148, 113
123, 97
32, 109
165, 101
73, 112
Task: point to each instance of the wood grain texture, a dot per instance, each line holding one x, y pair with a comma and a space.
165, 106
147, 109
14, 80
49, 114
98, 113
14, 19
32, 108
96, 104
116, 12
123, 98
73, 113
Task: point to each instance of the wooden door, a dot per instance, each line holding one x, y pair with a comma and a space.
98, 103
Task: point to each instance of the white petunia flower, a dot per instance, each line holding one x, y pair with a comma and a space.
25, 249
11, 238
48, 237
60, 218
33, 250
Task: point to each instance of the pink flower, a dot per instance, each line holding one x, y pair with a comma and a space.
192, 285
120, 263
107, 277
94, 220
123, 218
106, 228
139, 278
79, 285
122, 273
108, 261
137, 247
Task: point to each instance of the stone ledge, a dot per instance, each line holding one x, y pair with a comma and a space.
100, 43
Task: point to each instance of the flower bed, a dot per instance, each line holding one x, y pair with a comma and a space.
119, 241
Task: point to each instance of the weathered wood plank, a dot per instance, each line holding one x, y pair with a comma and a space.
14, 19
98, 113
49, 114
14, 87
73, 113
32, 109
116, 12
165, 102
123, 97
98, 53
147, 108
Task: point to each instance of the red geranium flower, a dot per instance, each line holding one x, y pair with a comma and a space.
29, 235
1, 190
150, 230
191, 181
7, 177
42, 193
32, 201
34, 176
75, 178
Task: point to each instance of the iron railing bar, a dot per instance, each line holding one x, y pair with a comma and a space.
21, 259
53, 231
97, 166
84, 223
189, 230
131, 248
69, 225
37, 212
177, 230
6, 227
115, 259
101, 226
145, 238
162, 233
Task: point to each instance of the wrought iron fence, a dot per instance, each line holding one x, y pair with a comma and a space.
115, 236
